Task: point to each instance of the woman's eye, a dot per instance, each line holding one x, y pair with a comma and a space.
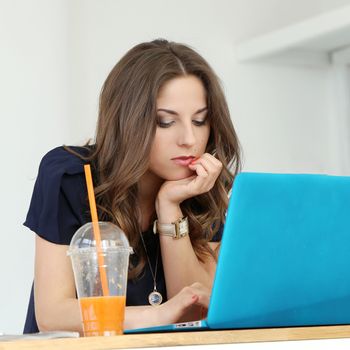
199, 122
163, 124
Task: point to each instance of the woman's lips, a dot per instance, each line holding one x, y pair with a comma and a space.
184, 161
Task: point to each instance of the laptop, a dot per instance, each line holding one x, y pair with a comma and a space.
284, 259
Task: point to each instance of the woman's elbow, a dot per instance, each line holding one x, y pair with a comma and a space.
44, 321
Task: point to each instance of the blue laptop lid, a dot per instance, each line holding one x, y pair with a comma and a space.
285, 253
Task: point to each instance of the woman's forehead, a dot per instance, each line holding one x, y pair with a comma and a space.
177, 93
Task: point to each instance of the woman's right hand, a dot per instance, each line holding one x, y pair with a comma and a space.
190, 304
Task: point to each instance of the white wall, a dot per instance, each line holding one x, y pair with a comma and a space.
55, 55
33, 112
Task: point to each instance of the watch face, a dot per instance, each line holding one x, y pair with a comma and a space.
183, 227
175, 230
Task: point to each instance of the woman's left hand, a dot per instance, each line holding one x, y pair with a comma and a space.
207, 169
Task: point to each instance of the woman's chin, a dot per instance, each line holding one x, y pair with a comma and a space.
180, 175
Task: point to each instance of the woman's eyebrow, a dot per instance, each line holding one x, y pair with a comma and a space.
175, 113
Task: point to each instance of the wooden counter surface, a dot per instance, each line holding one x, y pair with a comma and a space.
182, 338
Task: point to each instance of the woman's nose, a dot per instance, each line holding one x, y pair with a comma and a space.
186, 136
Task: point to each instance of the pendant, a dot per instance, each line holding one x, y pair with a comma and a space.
155, 298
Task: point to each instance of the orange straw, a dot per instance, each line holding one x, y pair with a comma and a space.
96, 228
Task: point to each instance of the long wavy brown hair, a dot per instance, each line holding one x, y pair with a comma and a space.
126, 128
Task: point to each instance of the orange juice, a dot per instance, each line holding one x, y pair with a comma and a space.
102, 315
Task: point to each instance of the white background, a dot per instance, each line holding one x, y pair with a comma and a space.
55, 55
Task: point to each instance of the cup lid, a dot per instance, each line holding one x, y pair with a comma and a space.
112, 237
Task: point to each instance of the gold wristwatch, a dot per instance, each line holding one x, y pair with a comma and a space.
176, 229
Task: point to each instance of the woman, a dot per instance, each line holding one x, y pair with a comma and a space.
165, 150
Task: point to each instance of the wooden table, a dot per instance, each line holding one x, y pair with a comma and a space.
182, 338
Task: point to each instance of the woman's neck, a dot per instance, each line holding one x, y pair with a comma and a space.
148, 188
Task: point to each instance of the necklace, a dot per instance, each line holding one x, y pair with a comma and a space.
154, 298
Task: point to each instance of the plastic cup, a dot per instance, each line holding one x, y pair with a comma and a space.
102, 309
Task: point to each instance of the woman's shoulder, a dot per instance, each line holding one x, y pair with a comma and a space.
58, 203
64, 159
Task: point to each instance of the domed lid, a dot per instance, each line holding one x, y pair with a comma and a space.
112, 238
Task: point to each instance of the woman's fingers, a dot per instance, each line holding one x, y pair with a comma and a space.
203, 299
208, 169
175, 308
202, 292
200, 170
216, 162
210, 164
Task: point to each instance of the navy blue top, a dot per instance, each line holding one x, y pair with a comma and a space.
59, 206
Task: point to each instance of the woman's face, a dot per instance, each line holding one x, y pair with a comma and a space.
182, 129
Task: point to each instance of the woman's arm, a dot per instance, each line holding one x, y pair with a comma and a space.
57, 308
180, 263
174, 310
